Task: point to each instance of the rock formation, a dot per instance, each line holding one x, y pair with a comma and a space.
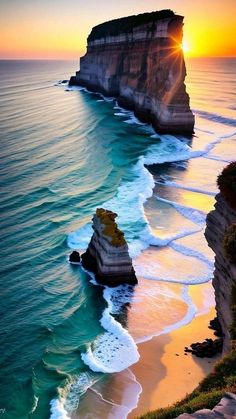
107, 254
221, 237
74, 257
224, 410
139, 60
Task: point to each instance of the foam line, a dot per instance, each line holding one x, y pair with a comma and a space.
185, 188
191, 252
194, 215
191, 312
115, 350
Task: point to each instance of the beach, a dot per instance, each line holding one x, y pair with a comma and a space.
165, 372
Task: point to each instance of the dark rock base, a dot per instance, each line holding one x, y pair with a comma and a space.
144, 115
111, 280
74, 257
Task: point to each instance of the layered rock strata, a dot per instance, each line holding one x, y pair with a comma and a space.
107, 254
218, 222
140, 61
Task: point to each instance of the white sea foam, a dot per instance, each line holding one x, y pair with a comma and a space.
197, 216
191, 312
114, 350
133, 120
130, 397
185, 188
58, 410
68, 401
192, 252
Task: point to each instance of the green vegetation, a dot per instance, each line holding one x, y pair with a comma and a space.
229, 243
111, 229
126, 24
227, 184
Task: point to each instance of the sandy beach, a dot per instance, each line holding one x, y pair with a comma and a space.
164, 371
163, 375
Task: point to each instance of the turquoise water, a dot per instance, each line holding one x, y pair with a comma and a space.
63, 153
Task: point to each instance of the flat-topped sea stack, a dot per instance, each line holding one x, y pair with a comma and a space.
139, 60
107, 254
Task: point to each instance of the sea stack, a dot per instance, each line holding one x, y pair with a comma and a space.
107, 254
221, 236
139, 60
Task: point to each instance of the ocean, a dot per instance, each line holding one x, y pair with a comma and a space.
65, 152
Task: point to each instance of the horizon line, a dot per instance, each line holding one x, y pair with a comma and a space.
72, 59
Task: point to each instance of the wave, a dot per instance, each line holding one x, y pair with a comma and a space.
197, 216
215, 117
115, 350
133, 194
191, 252
191, 312
185, 188
58, 410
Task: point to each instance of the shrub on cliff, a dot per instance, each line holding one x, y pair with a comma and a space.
110, 228
227, 184
229, 243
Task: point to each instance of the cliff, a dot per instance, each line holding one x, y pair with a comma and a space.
107, 254
221, 237
139, 60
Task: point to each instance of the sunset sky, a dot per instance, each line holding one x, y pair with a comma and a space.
58, 29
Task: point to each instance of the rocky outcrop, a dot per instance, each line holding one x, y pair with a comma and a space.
226, 409
107, 254
218, 222
139, 60
74, 257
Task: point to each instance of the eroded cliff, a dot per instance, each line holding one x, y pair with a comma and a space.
107, 254
139, 60
221, 236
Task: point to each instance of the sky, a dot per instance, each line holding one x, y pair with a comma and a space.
58, 29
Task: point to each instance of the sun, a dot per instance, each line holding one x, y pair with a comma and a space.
185, 47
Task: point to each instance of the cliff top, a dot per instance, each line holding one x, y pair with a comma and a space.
126, 24
111, 230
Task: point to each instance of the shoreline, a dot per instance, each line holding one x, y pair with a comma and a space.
165, 373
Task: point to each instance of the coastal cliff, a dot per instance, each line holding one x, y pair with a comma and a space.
139, 60
107, 254
221, 237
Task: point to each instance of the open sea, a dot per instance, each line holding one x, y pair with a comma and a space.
65, 152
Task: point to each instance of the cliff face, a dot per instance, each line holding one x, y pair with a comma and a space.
139, 60
107, 254
218, 221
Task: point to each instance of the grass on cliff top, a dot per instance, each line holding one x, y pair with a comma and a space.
111, 230
126, 24
208, 394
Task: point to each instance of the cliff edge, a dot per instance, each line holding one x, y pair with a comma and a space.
107, 254
221, 237
139, 60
